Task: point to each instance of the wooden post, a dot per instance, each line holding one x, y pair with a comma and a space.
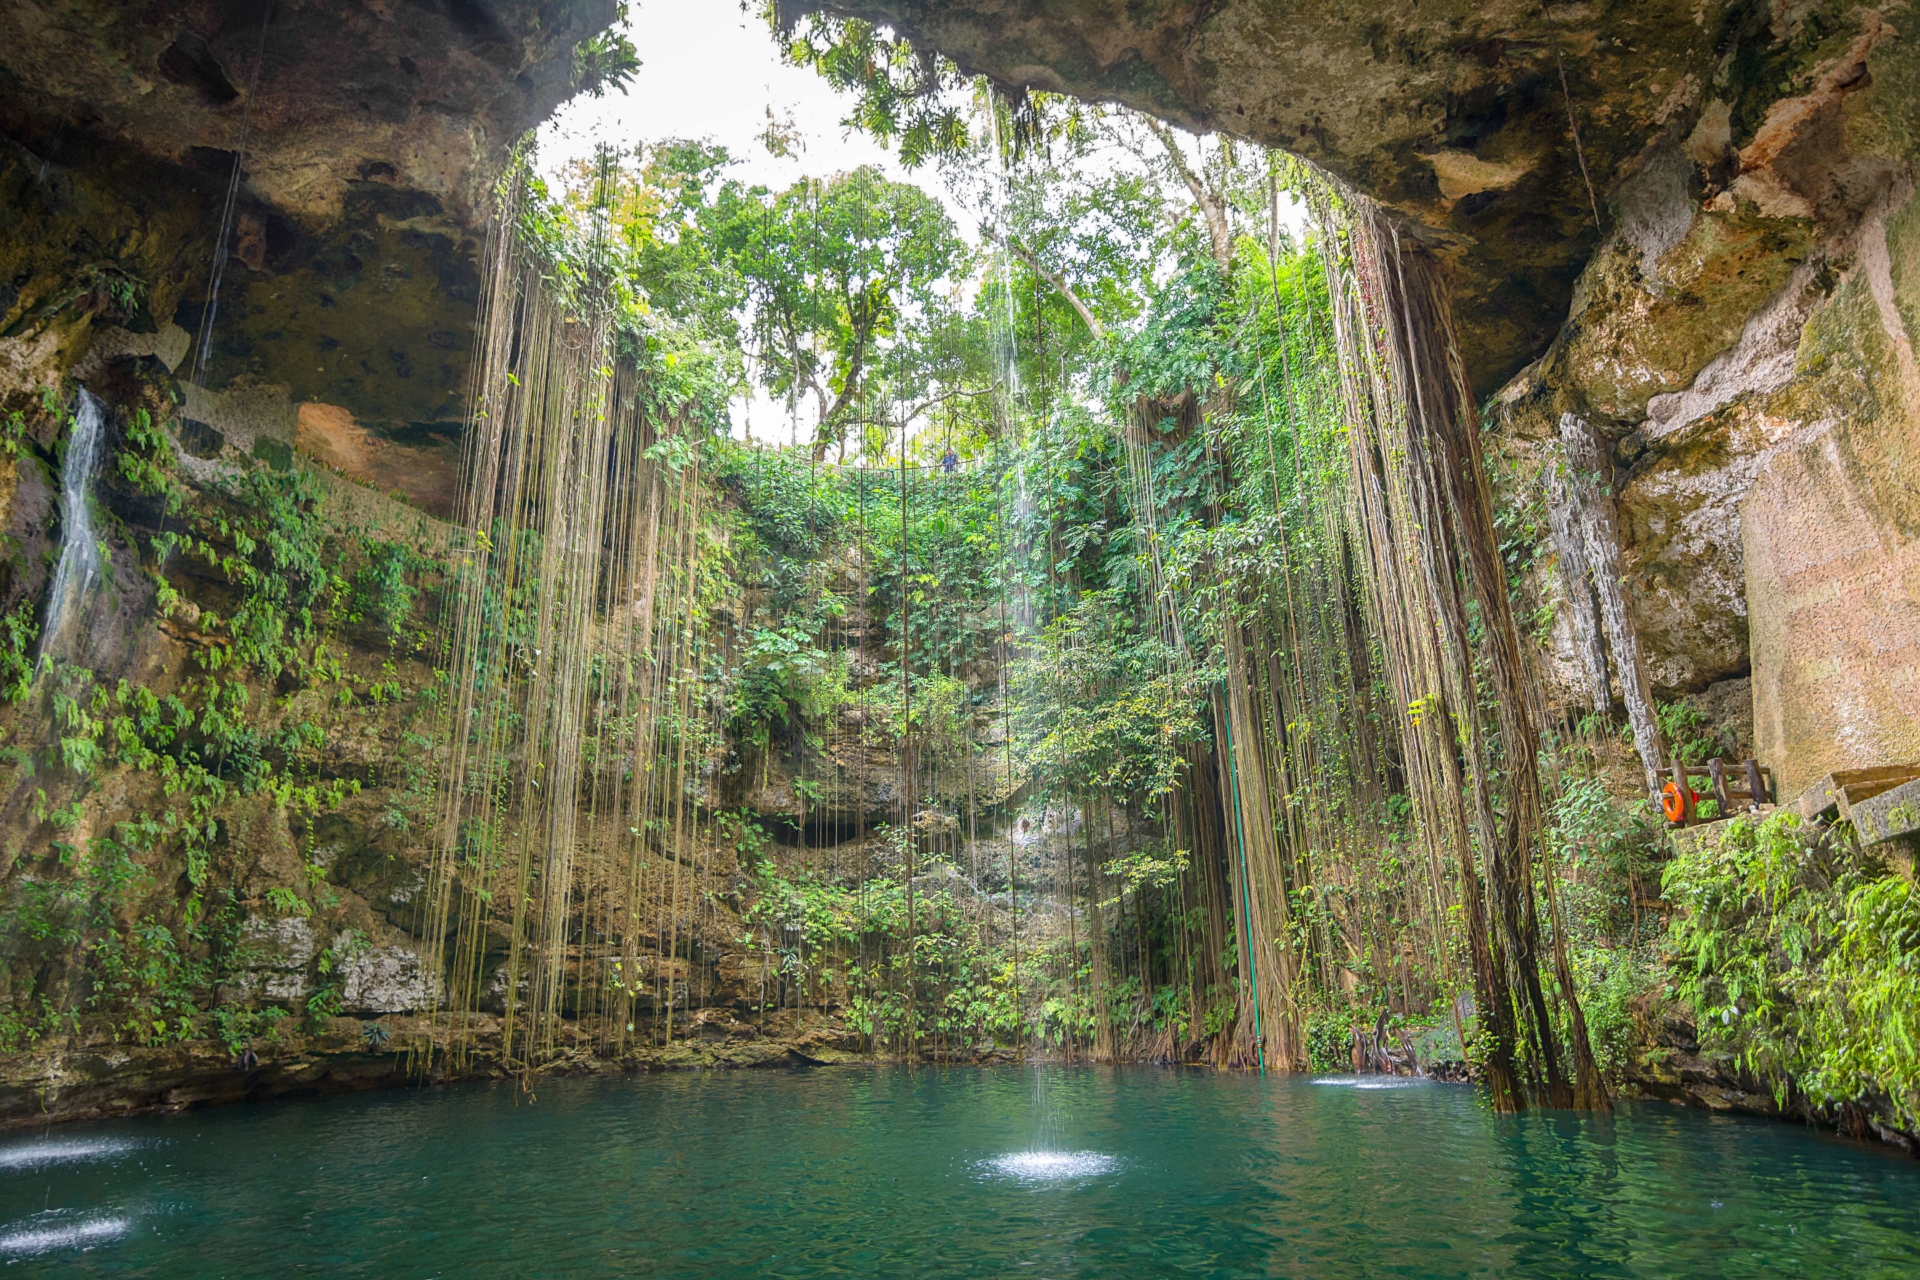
1757, 784
1680, 779
1719, 776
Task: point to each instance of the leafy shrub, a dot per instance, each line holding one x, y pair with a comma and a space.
1688, 733
380, 589
782, 676
1611, 980
18, 630
1605, 849
792, 508
1330, 1040
1800, 959
238, 1029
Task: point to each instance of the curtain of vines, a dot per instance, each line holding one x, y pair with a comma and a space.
566, 843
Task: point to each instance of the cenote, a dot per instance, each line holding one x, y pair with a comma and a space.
959, 637
956, 1172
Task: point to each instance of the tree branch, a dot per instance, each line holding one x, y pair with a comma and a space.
1054, 278
925, 405
1211, 203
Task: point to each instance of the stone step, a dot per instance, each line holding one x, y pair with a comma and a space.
1707, 835
1890, 814
1835, 795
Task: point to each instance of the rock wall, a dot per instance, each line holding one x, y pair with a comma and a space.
346, 147
1647, 210
1831, 527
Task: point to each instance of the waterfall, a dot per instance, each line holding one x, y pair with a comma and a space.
79, 563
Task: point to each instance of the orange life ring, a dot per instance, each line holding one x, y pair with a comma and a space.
1672, 804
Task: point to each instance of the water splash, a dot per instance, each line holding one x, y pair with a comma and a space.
1051, 1166
36, 1154
1374, 1082
17, 1244
79, 563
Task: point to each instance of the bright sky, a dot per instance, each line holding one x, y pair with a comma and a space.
710, 69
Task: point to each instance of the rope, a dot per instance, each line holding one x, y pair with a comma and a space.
1573, 127
204, 347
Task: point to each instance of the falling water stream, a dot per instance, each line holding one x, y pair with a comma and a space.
79, 565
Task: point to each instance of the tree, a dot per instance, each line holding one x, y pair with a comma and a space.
830, 267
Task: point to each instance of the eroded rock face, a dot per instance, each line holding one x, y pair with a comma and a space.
1831, 529
1739, 338
369, 134
419, 96
385, 977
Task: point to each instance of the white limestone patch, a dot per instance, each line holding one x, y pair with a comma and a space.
277, 951
384, 979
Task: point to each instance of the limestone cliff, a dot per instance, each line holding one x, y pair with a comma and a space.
351, 144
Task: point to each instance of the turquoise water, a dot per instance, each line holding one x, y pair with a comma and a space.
1032, 1172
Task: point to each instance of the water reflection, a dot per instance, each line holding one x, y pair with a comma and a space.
33, 1154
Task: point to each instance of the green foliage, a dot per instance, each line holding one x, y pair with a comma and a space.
1107, 706
13, 431
782, 675
605, 61
147, 906
1612, 981
153, 989
1688, 733
794, 510
146, 459
323, 1003
382, 588
1147, 870
19, 628
895, 88
1605, 849
828, 269
1330, 1040
240, 1029
278, 561
287, 902
1800, 959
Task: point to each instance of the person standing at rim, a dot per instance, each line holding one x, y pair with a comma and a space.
951, 462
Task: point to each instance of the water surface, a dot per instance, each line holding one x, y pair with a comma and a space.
1032, 1172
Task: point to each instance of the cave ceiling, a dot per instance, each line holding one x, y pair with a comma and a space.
373, 130
375, 127
1460, 116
